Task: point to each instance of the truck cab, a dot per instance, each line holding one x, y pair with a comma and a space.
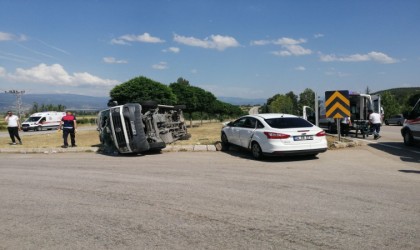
411, 128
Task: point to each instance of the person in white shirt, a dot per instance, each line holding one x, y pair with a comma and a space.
13, 126
345, 126
375, 123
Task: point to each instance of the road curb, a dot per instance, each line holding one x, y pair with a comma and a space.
169, 148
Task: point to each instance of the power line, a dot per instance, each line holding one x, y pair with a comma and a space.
18, 94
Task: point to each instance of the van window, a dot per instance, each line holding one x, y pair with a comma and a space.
33, 119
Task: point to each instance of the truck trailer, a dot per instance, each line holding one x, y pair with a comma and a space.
136, 128
359, 106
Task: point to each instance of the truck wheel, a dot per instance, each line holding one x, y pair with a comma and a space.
180, 107
330, 128
39, 128
408, 138
149, 104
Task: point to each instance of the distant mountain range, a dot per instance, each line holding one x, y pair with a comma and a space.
71, 101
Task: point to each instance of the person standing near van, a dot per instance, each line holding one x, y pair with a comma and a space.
13, 126
345, 126
375, 123
69, 125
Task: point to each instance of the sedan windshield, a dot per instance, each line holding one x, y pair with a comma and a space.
288, 122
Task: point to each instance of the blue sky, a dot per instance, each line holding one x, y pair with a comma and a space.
235, 48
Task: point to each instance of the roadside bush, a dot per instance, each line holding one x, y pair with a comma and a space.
86, 121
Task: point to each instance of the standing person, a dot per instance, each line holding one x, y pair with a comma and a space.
375, 123
69, 125
345, 126
13, 126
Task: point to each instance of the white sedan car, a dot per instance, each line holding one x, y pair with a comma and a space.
274, 134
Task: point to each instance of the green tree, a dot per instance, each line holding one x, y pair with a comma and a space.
281, 104
307, 98
390, 104
294, 98
186, 95
142, 89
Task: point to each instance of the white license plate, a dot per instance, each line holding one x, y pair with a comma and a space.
303, 137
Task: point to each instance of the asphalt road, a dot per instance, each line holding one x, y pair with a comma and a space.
355, 198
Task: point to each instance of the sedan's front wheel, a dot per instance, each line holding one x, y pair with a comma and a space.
256, 151
225, 142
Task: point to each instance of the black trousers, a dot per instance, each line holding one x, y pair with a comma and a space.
345, 128
66, 133
14, 132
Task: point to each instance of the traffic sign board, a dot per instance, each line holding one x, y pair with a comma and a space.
337, 104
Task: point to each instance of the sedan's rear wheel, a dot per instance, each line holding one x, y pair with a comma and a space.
408, 138
256, 151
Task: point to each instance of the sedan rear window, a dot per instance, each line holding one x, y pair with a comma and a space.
288, 122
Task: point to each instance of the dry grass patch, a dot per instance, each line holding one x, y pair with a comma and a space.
206, 134
55, 139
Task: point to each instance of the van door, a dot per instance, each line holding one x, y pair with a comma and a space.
377, 106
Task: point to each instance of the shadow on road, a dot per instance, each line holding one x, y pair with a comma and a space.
246, 154
409, 171
407, 154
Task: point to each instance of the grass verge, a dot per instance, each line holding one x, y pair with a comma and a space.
206, 134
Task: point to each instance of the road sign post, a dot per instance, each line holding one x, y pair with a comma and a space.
337, 105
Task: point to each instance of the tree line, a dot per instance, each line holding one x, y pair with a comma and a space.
393, 101
197, 100
289, 103
46, 107
398, 100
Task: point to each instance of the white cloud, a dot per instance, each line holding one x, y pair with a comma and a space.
260, 42
172, 49
334, 72
300, 68
318, 35
9, 37
290, 46
112, 60
2, 72
6, 36
160, 66
371, 56
56, 75
214, 42
144, 38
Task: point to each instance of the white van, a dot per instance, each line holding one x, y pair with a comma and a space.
411, 127
43, 120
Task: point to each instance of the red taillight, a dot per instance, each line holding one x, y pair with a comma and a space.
274, 135
322, 133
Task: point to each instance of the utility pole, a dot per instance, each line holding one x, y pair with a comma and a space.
18, 94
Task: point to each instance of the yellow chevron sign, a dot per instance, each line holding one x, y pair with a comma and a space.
337, 104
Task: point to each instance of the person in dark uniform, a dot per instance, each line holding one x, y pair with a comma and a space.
69, 125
